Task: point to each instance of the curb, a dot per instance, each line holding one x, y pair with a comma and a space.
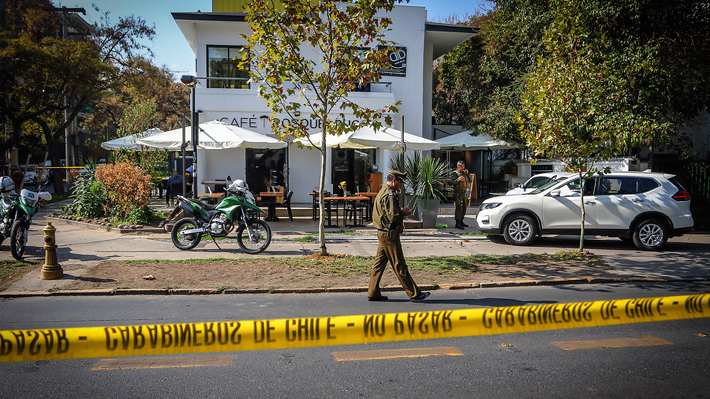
462, 286
106, 226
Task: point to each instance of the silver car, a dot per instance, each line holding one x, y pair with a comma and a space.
643, 207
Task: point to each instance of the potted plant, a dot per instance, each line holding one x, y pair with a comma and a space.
510, 168
426, 178
427, 186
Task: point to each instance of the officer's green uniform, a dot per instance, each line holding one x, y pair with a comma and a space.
460, 199
388, 218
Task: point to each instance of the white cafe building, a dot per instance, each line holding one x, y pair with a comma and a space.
215, 37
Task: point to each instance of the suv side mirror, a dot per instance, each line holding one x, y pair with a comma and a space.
555, 193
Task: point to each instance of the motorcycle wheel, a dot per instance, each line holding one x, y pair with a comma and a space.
18, 239
257, 240
185, 241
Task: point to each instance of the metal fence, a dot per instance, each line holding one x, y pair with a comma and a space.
695, 178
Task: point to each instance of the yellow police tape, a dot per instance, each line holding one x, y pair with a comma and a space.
75, 343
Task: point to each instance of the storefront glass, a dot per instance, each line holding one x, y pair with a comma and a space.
351, 166
266, 168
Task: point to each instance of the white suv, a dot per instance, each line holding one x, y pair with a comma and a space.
643, 207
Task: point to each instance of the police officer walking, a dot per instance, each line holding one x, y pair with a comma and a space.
388, 218
461, 180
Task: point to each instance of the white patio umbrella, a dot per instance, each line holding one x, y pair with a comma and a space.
367, 137
465, 141
129, 142
214, 135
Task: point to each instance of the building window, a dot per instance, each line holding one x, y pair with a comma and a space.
358, 52
223, 62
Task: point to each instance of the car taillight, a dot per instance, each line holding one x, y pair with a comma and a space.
681, 196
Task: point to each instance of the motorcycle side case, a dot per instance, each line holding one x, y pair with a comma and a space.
193, 208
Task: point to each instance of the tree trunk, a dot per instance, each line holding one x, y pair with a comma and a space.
581, 198
321, 188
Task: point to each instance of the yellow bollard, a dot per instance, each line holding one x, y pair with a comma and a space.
51, 269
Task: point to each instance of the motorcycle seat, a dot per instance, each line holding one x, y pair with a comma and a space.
206, 206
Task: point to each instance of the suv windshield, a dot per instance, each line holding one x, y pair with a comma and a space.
547, 185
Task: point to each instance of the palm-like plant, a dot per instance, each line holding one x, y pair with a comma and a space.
425, 176
428, 183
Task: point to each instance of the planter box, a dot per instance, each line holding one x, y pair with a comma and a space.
429, 211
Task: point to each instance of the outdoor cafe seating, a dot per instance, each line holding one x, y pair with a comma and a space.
286, 204
353, 206
270, 199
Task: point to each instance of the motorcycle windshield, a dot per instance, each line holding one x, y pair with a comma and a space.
30, 210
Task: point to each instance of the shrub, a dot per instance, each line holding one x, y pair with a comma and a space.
127, 188
87, 195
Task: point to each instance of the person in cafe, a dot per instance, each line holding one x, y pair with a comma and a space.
173, 186
188, 174
461, 180
388, 218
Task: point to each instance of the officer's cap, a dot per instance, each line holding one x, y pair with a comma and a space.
399, 175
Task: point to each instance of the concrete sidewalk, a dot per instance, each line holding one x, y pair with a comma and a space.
80, 246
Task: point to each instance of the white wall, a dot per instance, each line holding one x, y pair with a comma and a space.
244, 108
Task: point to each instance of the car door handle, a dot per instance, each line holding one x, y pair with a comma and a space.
590, 203
637, 200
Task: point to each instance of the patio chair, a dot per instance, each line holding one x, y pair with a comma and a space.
287, 204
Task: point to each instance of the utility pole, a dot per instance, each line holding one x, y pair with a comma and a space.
68, 129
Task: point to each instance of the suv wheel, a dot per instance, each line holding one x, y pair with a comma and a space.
651, 234
520, 230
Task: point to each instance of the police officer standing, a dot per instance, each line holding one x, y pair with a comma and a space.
461, 181
388, 218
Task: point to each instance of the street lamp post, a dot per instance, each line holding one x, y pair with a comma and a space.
191, 81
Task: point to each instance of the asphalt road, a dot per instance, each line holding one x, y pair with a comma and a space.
527, 365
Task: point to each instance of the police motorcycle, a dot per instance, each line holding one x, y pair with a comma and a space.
17, 212
235, 209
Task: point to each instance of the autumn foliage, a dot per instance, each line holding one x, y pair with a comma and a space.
127, 188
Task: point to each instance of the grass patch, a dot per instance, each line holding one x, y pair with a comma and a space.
225, 287
345, 265
458, 264
13, 270
311, 236
306, 238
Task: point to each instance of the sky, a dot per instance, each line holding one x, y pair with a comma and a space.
171, 48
